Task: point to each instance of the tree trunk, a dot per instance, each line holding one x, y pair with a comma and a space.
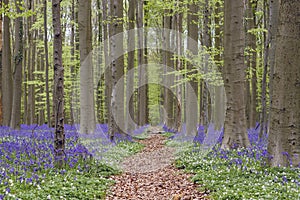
107, 73
72, 70
46, 65
87, 107
192, 47
59, 140
7, 86
178, 64
284, 136
17, 74
117, 70
204, 110
220, 93
142, 90
251, 63
119, 50
130, 68
235, 131
273, 23
1, 23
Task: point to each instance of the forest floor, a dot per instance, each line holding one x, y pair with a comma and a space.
151, 175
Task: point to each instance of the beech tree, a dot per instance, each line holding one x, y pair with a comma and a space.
235, 130
87, 107
17, 73
59, 140
284, 136
192, 47
7, 86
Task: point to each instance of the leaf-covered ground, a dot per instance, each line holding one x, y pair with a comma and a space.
150, 174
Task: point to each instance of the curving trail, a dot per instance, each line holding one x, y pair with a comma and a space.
150, 175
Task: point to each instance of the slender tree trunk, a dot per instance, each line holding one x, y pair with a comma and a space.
59, 140
284, 136
207, 45
107, 75
179, 47
235, 131
72, 70
117, 70
7, 86
142, 91
87, 107
220, 93
47, 64
130, 67
119, 50
1, 23
273, 18
192, 47
251, 63
17, 74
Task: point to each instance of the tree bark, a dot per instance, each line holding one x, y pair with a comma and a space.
284, 136
273, 24
17, 74
235, 131
192, 47
251, 64
7, 86
142, 90
87, 106
59, 140
130, 67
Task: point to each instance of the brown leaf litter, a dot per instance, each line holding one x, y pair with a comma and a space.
150, 175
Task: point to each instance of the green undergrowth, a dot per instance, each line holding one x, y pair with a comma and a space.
89, 179
122, 150
240, 177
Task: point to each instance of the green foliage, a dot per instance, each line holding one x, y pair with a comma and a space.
249, 179
10, 10
71, 184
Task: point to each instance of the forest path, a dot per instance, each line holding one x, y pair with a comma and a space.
150, 175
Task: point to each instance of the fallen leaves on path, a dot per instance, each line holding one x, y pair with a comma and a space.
149, 175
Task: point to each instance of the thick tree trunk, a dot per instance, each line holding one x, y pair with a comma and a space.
87, 107
17, 74
7, 86
235, 131
59, 140
284, 136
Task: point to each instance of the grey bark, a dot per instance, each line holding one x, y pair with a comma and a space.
7, 86
284, 136
59, 139
17, 73
130, 67
192, 47
87, 105
235, 130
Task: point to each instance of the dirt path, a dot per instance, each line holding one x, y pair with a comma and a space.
150, 175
